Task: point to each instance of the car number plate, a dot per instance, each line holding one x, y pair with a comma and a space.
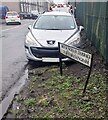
12, 20
50, 59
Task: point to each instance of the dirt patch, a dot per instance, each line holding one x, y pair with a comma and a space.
49, 95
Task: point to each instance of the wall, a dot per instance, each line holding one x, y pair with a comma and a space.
94, 17
13, 6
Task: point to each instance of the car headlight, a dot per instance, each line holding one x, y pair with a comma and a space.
74, 42
30, 41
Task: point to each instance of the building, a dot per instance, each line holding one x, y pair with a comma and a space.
27, 5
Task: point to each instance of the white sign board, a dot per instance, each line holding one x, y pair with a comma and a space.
76, 54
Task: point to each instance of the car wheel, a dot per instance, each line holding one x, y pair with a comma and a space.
7, 24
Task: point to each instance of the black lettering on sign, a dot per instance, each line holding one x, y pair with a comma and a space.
76, 54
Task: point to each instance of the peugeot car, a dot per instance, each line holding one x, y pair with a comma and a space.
41, 43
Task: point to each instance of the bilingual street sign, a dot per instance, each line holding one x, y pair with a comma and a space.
77, 55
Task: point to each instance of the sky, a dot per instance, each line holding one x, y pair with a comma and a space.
62, 1
58, 1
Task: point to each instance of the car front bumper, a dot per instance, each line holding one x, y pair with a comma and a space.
44, 54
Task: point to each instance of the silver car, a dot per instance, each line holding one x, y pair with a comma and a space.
41, 43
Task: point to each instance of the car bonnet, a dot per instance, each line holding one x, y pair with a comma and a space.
52, 37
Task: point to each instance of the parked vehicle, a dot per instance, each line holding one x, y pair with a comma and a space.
3, 11
41, 43
12, 17
61, 8
31, 16
25, 15
34, 16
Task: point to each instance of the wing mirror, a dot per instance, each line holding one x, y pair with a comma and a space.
81, 28
29, 27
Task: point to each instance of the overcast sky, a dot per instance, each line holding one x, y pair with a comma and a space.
62, 1
58, 1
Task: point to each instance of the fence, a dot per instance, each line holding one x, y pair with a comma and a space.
94, 17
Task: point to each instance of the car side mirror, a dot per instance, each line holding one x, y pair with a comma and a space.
81, 28
29, 27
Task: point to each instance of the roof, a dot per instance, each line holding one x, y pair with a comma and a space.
57, 13
11, 12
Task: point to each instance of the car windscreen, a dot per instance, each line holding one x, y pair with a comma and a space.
55, 22
12, 14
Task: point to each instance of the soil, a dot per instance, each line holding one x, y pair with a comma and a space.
49, 95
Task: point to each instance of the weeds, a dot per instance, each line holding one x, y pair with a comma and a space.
61, 96
31, 102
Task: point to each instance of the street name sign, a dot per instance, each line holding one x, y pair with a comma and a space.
77, 55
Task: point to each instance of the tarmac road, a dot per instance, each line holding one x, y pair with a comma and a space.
13, 56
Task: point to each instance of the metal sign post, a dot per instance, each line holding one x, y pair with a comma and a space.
86, 83
60, 60
79, 56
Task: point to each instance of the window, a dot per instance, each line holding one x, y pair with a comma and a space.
55, 22
12, 14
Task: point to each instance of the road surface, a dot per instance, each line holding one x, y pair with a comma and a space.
13, 54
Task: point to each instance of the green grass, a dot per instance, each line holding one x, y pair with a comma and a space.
30, 102
61, 96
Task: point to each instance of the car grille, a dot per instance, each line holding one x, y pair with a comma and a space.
45, 52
